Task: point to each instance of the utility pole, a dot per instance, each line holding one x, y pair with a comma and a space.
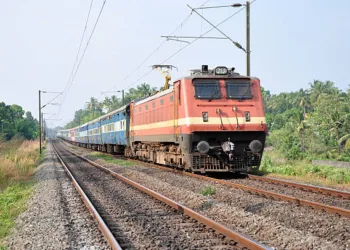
123, 97
40, 121
235, 5
41, 118
42, 126
248, 36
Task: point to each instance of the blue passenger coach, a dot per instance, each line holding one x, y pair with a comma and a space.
114, 130
94, 133
83, 134
108, 133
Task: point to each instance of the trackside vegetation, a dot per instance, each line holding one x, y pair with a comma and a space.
208, 191
303, 170
311, 123
12, 203
18, 160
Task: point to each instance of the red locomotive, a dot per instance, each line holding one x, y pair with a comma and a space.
209, 121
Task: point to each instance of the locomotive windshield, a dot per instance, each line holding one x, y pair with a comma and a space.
238, 89
207, 89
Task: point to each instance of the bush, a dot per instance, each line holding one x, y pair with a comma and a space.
303, 168
207, 191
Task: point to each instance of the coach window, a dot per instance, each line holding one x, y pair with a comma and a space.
153, 104
161, 101
207, 89
171, 98
146, 107
140, 109
238, 89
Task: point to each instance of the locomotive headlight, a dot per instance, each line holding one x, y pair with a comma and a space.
203, 147
255, 146
221, 71
247, 116
205, 116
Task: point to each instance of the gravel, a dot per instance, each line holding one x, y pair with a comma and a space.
56, 217
295, 192
274, 223
137, 220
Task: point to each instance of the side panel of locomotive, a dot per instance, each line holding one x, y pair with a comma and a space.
153, 126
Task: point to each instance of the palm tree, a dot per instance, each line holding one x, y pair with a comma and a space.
303, 100
303, 125
145, 90
318, 88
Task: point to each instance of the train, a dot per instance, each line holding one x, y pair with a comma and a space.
211, 120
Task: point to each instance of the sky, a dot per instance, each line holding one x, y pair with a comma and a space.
292, 44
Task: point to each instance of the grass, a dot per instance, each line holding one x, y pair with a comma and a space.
12, 203
272, 164
111, 159
208, 191
18, 160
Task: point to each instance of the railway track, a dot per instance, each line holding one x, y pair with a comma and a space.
304, 187
270, 194
262, 192
133, 216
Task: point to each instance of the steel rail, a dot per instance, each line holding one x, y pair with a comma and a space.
101, 224
269, 194
305, 187
240, 239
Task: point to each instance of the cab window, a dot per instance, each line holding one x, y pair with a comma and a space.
238, 89
207, 89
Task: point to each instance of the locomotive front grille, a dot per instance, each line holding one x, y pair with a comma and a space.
208, 163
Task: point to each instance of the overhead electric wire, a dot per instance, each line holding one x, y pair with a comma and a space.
81, 42
155, 51
82, 56
150, 55
52, 100
223, 21
77, 56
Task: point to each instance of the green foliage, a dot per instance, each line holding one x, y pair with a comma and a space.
207, 191
15, 122
302, 168
311, 123
12, 203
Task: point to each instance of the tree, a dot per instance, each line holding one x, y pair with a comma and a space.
13, 122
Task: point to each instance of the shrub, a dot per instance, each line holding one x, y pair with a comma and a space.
207, 191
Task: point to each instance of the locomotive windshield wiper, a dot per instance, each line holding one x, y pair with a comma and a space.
248, 88
212, 97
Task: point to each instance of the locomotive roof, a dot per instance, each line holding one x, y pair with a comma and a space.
159, 94
210, 73
218, 77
